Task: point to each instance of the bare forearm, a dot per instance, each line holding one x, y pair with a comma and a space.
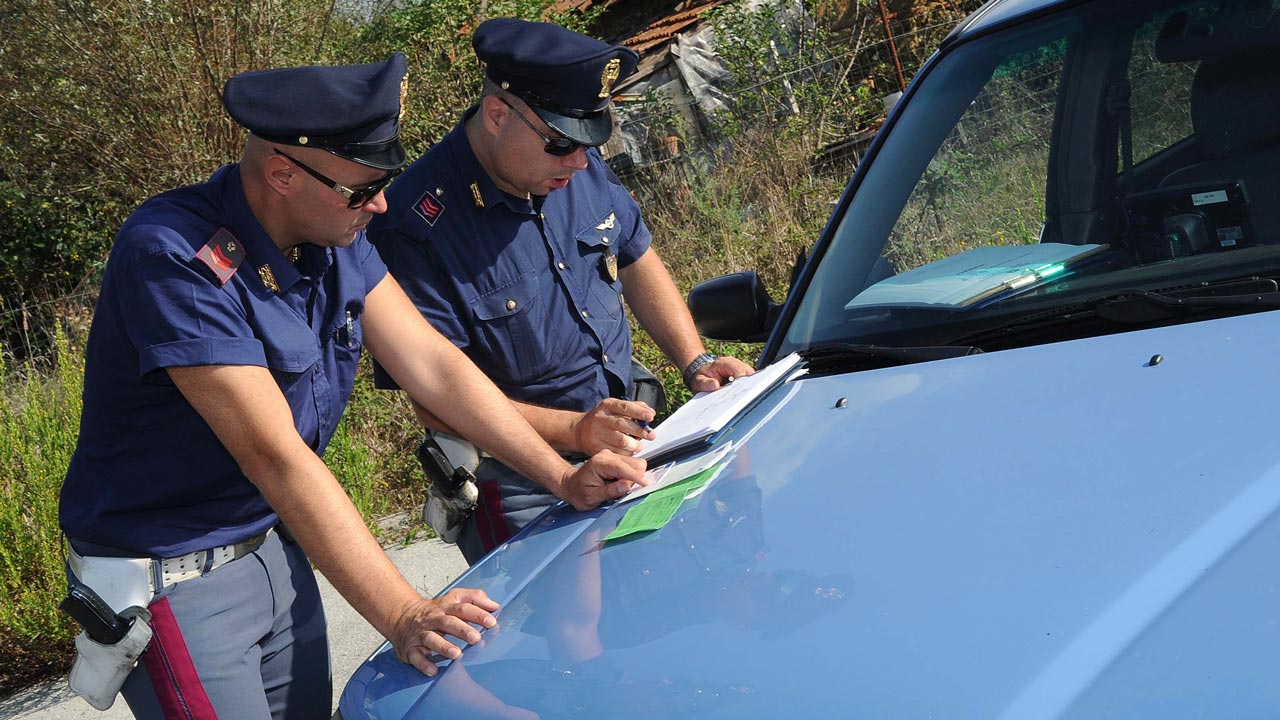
437, 376
552, 425
318, 513
245, 409
430, 421
489, 419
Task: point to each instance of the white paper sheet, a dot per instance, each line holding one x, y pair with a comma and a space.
706, 413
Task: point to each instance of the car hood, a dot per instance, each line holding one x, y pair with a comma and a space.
1079, 529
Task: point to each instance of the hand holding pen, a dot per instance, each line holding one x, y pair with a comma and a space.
614, 424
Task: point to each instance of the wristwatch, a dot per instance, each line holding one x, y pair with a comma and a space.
698, 363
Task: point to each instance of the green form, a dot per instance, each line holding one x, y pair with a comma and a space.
656, 509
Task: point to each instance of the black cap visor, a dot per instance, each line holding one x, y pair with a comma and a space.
585, 127
385, 155
590, 131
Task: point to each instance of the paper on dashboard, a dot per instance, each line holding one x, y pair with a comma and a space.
975, 275
707, 413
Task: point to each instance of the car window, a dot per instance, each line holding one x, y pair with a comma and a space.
985, 184
1161, 95
1055, 163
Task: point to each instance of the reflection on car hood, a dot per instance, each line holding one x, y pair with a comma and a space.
1068, 530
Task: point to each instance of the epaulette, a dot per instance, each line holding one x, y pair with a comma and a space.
428, 207
223, 254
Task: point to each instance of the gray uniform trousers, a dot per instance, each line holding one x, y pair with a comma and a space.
256, 634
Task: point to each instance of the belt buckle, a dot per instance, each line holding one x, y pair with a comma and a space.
249, 546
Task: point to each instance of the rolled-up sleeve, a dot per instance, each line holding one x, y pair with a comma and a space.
175, 316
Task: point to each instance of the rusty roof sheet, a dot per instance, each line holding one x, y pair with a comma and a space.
662, 30
657, 33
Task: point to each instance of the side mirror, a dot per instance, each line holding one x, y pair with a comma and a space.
733, 307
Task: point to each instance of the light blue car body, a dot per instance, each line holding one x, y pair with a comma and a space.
1075, 529
985, 572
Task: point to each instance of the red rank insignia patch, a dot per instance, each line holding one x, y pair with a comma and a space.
223, 254
429, 208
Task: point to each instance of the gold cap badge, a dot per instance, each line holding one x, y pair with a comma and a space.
404, 95
607, 78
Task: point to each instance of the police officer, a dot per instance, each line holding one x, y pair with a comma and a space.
221, 356
517, 242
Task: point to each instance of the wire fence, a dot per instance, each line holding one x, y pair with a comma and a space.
835, 92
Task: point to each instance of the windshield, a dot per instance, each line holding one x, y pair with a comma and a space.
1109, 148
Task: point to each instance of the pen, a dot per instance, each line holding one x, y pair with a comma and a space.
644, 424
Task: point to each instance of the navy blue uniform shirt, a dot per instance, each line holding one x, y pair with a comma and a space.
529, 291
148, 474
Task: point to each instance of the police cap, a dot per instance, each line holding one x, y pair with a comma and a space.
565, 77
352, 111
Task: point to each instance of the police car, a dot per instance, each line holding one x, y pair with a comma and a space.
1023, 460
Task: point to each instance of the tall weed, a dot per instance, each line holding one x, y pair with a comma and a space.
39, 423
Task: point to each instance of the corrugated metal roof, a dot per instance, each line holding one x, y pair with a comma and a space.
656, 33
660, 31
663, 30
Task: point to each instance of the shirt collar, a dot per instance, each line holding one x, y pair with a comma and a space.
472, 171
260, 249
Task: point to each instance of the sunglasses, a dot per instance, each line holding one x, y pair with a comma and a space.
356, 197
558, 146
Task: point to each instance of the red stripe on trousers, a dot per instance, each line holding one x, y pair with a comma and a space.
173, 675
491, 523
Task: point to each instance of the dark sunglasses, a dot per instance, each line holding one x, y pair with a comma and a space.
356, 197
558, 146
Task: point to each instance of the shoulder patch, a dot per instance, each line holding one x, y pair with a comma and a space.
428, 208
223, 254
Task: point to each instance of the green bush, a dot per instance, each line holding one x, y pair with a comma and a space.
39, 421
371, 454
105, 104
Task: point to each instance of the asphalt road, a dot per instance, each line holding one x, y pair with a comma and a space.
430, 565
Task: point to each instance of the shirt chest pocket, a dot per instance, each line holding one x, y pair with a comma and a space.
515, 341
345, 331
598, 250
346, 338
291, 350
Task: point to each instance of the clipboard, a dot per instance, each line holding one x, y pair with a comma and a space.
699, 421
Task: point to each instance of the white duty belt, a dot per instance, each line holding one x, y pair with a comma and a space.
124, 582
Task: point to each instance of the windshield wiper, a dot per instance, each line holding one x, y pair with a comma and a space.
1135, 307
843, 357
